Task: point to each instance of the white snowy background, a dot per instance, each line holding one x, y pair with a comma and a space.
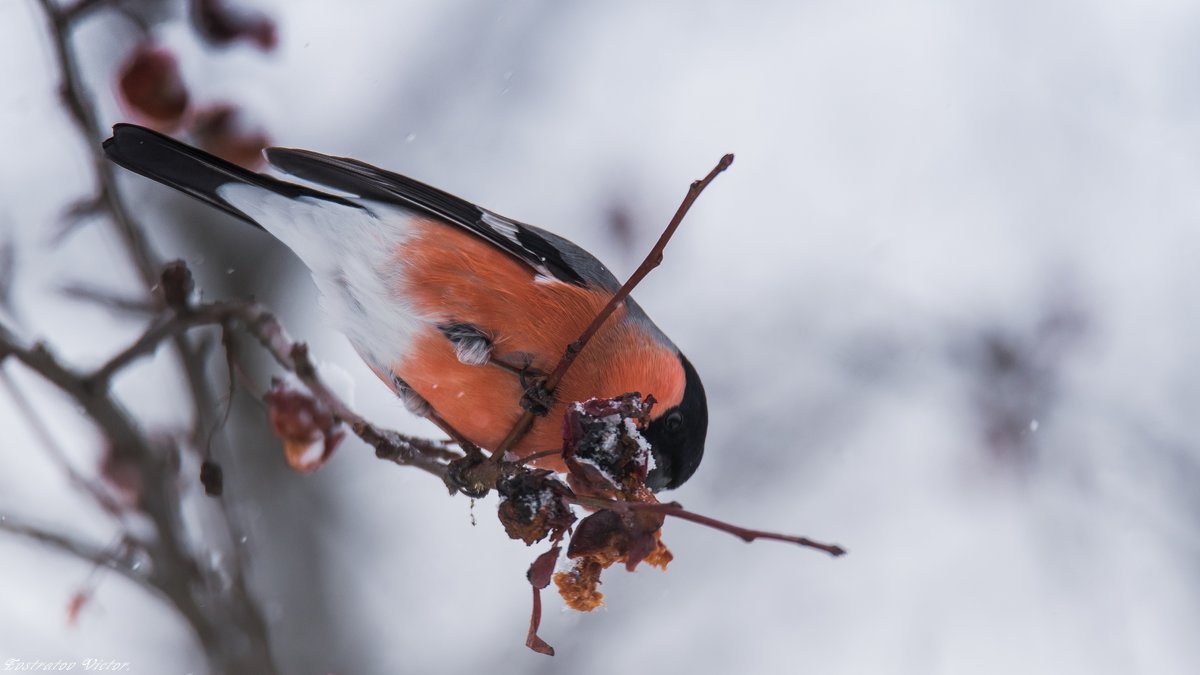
945, 304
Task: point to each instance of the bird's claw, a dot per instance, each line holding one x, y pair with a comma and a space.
536, 399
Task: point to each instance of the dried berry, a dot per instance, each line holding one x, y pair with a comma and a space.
212, 477
121, 472
603, 447
607, 457
222, 22
534, 505
308, 430
177, 285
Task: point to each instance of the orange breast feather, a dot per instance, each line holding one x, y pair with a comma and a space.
452, 276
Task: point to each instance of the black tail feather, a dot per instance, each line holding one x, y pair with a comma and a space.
193, 171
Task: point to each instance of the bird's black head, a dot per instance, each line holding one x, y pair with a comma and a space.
677, 436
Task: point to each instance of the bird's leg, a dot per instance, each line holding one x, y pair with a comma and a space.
413, 402
416, 404
536, 398
475, 347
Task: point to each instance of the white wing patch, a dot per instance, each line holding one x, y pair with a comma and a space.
505, 228
510, 232
473, 352
471, 345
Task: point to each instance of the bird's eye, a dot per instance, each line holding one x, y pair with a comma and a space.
674, 421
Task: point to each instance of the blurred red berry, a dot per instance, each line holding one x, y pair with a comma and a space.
222, 22
151, 87
76, 605
120, 471
222, 130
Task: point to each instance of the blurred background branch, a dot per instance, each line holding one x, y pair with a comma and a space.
142, 470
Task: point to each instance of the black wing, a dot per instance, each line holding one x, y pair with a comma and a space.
528, 244
193, 171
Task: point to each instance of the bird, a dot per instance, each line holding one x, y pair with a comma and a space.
457, 309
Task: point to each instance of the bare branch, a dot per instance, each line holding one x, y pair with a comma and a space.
109, 299
81, 7
269, 332
8, 269
676, 510
227, 623
119, 558
388, 444
50, 444
146, 345
75, 215
79, 104
175, 572
78, 101
159, 497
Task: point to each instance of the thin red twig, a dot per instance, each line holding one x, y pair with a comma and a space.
674, 509
653, 259
529, 459
539, 575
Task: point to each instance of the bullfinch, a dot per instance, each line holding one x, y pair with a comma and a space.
456, 308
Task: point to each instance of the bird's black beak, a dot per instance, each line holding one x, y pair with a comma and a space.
659, 478
677, 435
